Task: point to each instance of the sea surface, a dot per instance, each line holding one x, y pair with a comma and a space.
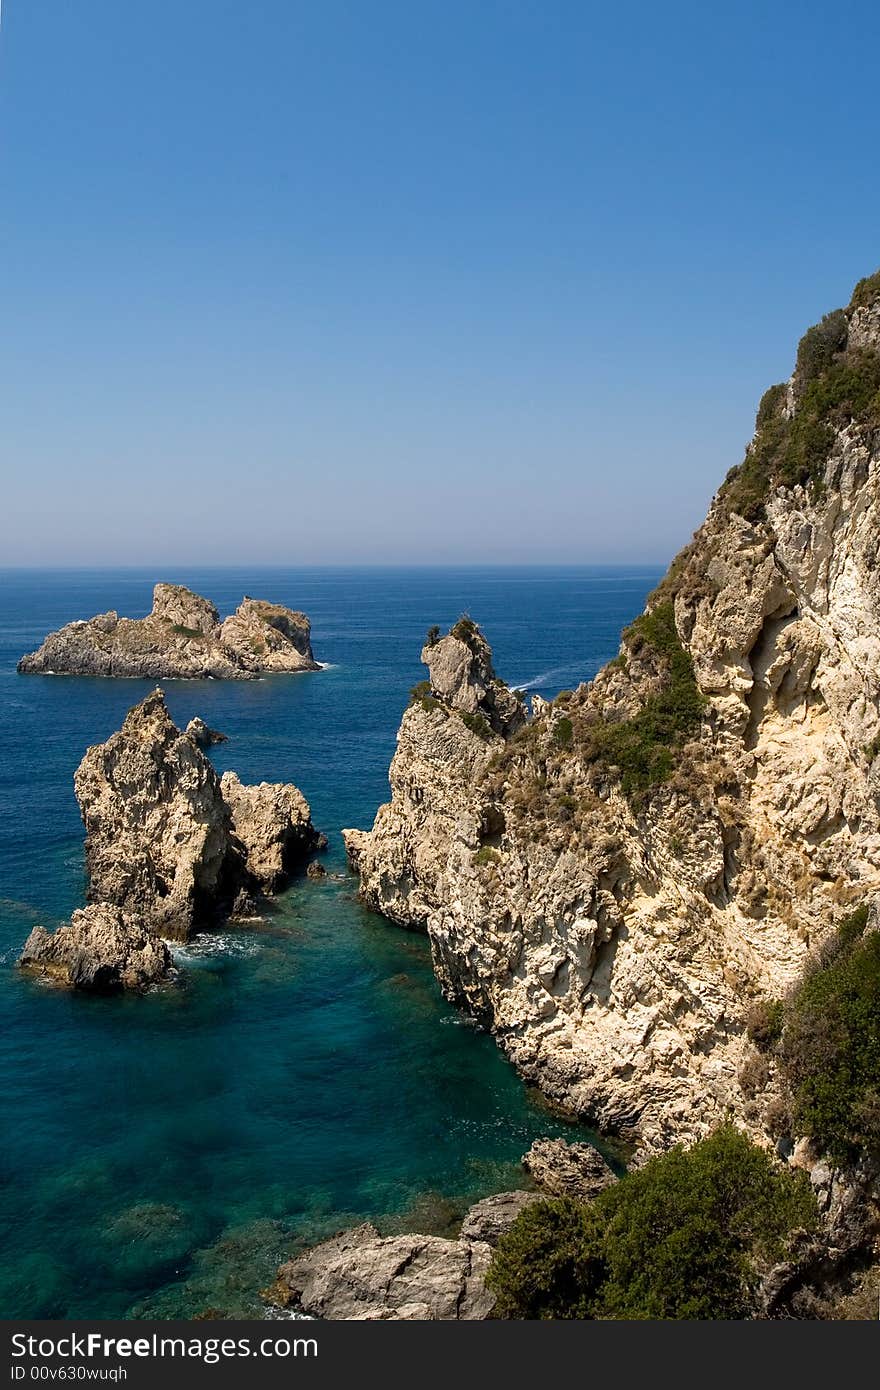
159, 1155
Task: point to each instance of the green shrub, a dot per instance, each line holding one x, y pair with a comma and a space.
183, 631
486, 855
679, 1238
467, 631
563, 732
866, 292
477, 724
830, 1049
819, 347
764, 1023
644, 747
433, 636
421, 695
832, 387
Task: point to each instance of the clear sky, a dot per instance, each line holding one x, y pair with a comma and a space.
411, 280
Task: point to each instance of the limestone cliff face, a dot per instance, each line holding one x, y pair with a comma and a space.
181, 637
611, 886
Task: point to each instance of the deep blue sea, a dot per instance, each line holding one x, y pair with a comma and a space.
159, 1155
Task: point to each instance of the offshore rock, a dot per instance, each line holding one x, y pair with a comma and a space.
101, 949
613, 920
568, 1170
273, 823
202, 735
362, 1275
182, 637
166, 839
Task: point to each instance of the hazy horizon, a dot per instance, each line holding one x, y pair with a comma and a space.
430, 285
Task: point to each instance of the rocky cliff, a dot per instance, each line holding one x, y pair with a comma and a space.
182, 637
613, 884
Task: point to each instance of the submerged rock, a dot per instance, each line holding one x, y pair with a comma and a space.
362, 1275
181, 637
568, 1170
101, 948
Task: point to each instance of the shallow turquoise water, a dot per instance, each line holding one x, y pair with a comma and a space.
161, 1154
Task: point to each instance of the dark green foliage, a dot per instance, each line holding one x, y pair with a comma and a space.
872, 749
866, 292
467, 631
764, 1023
819, 347
644, 747
678, 1238
830, 1049
433, 636
477, 725
832, 387
421, 695
186, 631
563, 731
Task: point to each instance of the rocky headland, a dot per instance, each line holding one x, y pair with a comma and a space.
182, 637
170, 849
615, 884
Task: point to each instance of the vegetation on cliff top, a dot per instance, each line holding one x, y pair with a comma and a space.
833, 386
680, 1238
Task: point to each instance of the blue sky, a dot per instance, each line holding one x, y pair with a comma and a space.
442, 282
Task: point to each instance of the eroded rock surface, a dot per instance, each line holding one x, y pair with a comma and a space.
101, 949
181, 637
568, 1170
610, 899
491, 1218
167, 840
362, 1275
273, 822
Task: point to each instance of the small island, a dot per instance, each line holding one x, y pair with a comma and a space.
181, 638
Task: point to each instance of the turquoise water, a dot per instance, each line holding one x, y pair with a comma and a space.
160, 1155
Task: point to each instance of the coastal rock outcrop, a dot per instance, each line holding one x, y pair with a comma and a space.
614, 884
101, 949
362, 1275
202, 735
568, 1170
167, 839
182, 637
492, 1217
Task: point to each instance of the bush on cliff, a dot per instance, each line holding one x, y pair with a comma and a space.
833, 387
830, 1048
680, 1238
644, 746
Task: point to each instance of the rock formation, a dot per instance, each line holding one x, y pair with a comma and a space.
181, 637
362, 1275
492, 1217
102, 949
568, 1170
272, 823
612, 885
200, 734
169, 846
169, 840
